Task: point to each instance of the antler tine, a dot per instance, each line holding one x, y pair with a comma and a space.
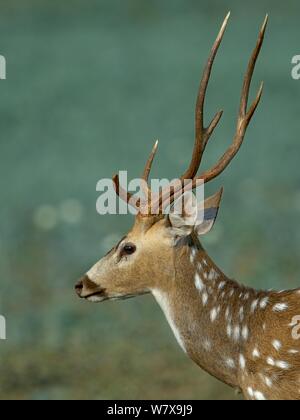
124, 195
203, 134
149, 162
245, 115
251, 68
146, 173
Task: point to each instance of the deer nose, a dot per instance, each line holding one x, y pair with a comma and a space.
79, 287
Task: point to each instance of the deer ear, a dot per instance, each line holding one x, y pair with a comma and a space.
183, 215
211, 209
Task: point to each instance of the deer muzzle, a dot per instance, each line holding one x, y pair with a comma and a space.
87, 289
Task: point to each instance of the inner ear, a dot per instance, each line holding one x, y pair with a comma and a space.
183, 214
209, 217
186, 215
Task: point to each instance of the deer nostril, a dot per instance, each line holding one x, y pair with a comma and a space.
79, 287
86, 287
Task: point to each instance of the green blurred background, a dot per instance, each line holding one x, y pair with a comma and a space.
90, 85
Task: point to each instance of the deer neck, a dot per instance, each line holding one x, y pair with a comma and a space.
206, 312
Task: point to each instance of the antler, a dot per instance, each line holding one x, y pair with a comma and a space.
203, 133
245, 114
126, 196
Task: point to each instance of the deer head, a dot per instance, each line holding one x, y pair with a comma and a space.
246, 338
143, 261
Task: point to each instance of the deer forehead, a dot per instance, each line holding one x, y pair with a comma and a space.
154, 238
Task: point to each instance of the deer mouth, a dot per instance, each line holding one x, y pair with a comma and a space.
99, 297
88, 290
96, 297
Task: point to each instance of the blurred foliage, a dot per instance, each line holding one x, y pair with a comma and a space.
90, 85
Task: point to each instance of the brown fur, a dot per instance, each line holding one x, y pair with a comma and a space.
160, 264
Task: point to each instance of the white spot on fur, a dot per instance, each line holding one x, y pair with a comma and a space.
200, 267
250, 392
204, 298
268, 382
230, 363
207, 345
259, 396
245, 333
213, 314
241, 313
277, 345
254, 305
236, 333
213, 275
263, 304
280, 307
256, 353
242, 362
227, 313
199, 283
163, 301
282, 365
229, 330
193, 255
271, 361
222, 285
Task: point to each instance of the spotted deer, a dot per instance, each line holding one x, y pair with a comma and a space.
241, 336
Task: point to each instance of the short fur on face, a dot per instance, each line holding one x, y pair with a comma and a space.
157, 241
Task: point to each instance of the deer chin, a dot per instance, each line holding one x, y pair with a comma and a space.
97, 298
101, 297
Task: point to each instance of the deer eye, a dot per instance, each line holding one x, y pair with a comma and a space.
128, 249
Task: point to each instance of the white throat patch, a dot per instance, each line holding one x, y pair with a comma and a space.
162, 300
